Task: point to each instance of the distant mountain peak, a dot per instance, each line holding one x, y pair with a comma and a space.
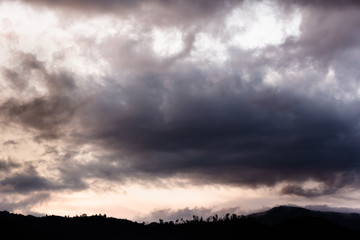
288, 209
285, 213
280, 214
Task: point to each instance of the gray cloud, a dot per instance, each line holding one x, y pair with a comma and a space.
25, 204
28, 180
325, 34
194, 7
331, 185
139, 54
326, 208
45, 113
325, 3
10, 142
25, 183
6, 165
27, 65
229, 132
155, 121
158, 12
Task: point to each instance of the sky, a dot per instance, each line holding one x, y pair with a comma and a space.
164, 108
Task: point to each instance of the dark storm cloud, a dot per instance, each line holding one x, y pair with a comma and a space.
227, 132
44, 114
314, 192
206, 125
48, 112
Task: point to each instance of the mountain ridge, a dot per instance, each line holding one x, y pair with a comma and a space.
281, 221
282, 213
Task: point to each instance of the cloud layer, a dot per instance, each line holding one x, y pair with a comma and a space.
115, 109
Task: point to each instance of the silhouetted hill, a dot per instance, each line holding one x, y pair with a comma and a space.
280, 222
282, 214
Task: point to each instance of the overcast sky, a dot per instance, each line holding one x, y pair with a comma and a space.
149, 109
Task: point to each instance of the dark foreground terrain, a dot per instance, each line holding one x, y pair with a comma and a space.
280, 222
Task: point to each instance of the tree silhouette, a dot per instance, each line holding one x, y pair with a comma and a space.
227, 227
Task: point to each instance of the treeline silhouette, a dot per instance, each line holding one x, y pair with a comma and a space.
287, 223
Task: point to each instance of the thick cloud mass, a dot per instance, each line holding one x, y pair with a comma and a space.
46, 113
227, 132
283, 113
